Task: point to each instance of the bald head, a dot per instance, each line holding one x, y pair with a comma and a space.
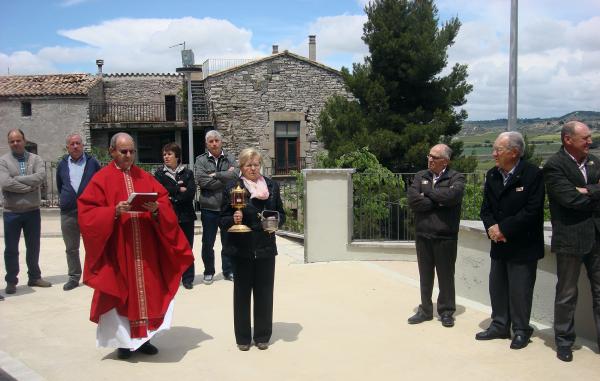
576, 139
120, 136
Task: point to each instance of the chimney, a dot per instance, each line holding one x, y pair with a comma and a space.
275, 49
99, 63
312, 47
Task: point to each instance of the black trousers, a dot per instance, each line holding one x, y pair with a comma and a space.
511, 294
188, 230
256, 277
568, 268
437, 255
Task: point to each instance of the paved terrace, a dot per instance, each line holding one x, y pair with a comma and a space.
336, 321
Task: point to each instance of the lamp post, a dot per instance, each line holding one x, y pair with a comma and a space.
187, 59
512, 66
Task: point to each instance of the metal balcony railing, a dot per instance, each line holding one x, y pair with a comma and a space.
137, 112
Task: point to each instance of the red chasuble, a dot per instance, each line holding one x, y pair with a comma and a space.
133, 262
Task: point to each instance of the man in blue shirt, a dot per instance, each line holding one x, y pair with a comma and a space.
74, 172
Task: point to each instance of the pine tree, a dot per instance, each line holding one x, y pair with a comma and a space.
403, 104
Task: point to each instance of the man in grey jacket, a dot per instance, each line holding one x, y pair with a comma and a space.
435, 197
212, 171
21, 175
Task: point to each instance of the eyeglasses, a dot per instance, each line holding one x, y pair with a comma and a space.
124, 152
434, 157
499, 149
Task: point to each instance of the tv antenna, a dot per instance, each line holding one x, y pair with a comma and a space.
181, 44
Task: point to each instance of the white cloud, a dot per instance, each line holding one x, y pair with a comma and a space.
70, 3
138, 45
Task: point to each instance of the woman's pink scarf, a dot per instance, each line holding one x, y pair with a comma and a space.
257, 189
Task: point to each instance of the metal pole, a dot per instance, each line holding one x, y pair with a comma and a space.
512, 66
190, 121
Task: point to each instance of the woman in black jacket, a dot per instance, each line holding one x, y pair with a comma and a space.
179, 182
253, 253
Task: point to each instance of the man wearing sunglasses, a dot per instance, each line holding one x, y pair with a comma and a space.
435, 197
134, 258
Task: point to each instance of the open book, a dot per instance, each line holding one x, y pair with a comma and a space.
136, 200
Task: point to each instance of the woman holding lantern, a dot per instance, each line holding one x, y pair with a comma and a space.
250, 207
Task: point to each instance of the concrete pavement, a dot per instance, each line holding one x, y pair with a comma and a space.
338, 321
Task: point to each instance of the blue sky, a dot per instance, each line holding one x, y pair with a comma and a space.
558, 64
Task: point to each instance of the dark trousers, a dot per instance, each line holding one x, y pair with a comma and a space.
188, 231
256, 277
568, 268
437, 255
30, 223
70, 232
210, 225
511, 295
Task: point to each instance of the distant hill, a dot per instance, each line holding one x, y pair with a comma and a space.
533, 126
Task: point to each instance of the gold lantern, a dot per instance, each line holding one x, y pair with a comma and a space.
238, 201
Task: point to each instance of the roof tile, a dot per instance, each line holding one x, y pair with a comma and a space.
45, 85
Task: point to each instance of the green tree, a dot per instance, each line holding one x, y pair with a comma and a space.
402, 104
530, 152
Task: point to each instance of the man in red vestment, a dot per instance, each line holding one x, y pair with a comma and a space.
134, 260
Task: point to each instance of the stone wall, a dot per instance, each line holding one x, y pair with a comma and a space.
248, 100
51, 120
141, 88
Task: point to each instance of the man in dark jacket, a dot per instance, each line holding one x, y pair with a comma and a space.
513, 215
213, 170
435, 197
572, 177
73, 173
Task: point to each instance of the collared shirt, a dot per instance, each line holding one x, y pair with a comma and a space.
581, 166
508, 175
217, 158
76, 168
22, 160
437, 177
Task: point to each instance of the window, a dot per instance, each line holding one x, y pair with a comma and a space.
286, 146
25, 108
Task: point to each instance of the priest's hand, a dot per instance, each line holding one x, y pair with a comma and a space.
237, 217
122, 207
151, 206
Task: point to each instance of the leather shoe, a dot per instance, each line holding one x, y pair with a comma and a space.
564, 354
244, 347
488, 334
188, 285
11, 288
519, 342
418, 318
70, 285
228, 277
148, 349
447, 320
39, 283
262, 346
1, 297
124, 353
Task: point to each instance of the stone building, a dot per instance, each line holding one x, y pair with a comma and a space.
273, 104
46, 108
146, 105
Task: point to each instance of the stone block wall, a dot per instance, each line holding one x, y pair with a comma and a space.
141, 88
51, 120
248, 100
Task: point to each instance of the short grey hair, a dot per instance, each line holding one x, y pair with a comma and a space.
73, 134
569, 129
515, 141
213, 134
115, 137
446, 151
